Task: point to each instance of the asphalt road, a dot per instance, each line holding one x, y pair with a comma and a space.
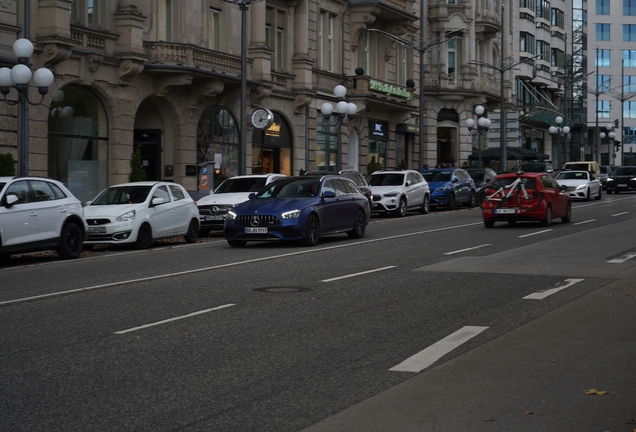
277, 337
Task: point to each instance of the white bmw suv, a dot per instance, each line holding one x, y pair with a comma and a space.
38, 213
396, 192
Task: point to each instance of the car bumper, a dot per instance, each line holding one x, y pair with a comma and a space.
513, 214
627, 186
385, 205
439, 198
112, 233
578, 194
287, 231
212, 222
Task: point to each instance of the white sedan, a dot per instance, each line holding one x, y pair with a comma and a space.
580, 184
140, 213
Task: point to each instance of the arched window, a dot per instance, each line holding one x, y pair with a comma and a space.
218, 140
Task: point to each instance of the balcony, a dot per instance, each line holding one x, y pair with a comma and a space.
487, 22
172, 54
439, 15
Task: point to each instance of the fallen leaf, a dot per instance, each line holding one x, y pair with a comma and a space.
608, 295
595, 392
632, 422
527, 413
489, 419
554, 360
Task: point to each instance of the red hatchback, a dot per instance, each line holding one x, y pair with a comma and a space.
513, 197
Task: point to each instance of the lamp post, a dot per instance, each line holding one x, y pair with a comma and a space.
243, 6
483, 124
19, 77
612, 136
343, 109
557, 130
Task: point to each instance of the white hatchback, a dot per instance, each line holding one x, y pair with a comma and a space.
140, 213
39, 213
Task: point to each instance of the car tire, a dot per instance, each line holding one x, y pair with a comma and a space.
312, 232
587, 195
71, 239
401, 210
192, 235
144, 237
359, 226
489, 224
426, 204
204, 232
450, 202
548, 217
568, 214
609, 192
4, 257
237, 243
600, 193
472, 200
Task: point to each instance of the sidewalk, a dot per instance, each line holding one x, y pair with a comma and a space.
534, 378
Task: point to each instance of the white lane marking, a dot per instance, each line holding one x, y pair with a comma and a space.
622, 259
357, 274
540, 295
535, 233
174, 319
467, 249
232, 264
430, 355
619, 214
584, 222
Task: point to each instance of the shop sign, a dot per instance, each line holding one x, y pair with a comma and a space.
379, 130
389, 90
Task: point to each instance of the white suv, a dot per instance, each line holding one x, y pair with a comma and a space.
396, 192
214, 207
38, 213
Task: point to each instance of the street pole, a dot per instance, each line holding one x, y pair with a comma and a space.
23, 109
243, 6
502, 133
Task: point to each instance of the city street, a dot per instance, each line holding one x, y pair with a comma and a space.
392, 332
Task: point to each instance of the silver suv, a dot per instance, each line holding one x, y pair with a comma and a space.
37, 214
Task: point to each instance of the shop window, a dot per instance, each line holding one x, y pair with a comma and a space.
218, 140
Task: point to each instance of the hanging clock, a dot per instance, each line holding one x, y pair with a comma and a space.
262, 118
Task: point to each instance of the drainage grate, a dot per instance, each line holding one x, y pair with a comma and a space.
277, 290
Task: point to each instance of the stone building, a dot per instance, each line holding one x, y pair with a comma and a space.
164, 77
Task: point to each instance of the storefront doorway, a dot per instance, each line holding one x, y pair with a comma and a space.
148, 142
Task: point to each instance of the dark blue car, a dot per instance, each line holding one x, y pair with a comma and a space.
299, 208
450, 187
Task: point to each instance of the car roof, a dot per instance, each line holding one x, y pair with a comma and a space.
256, 176
392, 171
144, 183
522, 174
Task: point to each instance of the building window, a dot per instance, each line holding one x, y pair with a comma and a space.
368, 51
543, 51
218, 133
277, 22
451, 47
543, 9
629, 7
602, 58
629, 109
526, 4
526, 43
602, 7
164, 21
326, 42
557, 59
404, 62
558, 19
629, 57
86, 13
214, 30
629, 32
629, 84
602, 32
603, 83
326, 146
603, 109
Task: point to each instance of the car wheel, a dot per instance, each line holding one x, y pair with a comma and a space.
311, 231
193, 232
616, 191
71, 240
401, 210
568, 214
204, 232
144, 237
359, 226
472, 201
548, 217
587, 195
450, 203
609, 192
426, 204
489, 224
237, 243
599, 194
4, 257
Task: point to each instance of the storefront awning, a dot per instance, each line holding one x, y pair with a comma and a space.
542, 120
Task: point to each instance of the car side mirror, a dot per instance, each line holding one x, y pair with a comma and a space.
9, 200
455, 179
251, 196
564, 187
156, 202
408, 182
328, 194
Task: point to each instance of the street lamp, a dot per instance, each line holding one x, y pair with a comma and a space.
483, 123
612, 136
243, 6
343, 109
19, 77
557, 130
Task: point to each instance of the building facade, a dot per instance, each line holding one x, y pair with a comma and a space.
164, 77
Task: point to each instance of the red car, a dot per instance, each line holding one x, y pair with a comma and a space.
521, 196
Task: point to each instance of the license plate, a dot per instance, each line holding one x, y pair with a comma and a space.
621, 185
213, 218
257, 230
96, 229
505, 211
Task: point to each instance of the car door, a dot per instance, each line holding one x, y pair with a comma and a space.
52, 212
330, 208
347, 205
161, 215
182, 208
553, 194
460, 186
414, 189
21, 221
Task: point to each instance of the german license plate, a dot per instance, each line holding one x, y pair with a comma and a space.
505, 211
256, 230
621, 185
96, 229
213, 218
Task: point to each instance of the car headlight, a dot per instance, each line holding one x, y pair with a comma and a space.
291, 214
443, 188
581, 187
230, 215
610, 179
126, 217
390, 194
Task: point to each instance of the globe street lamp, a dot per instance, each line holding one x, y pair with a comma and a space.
557, 130
343, 109
483, 124
19, 77
612, 136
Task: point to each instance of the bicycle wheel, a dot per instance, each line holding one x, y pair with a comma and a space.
528, 201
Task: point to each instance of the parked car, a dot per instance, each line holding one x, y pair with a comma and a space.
481, 177
606, 170
396, 192
38, 214
357, 178
543, 201
622, 179
450, 187
139, 213
537, 167
580, 184
213, 208
302, 208
590, 166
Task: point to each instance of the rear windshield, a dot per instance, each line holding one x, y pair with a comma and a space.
528, 183
579, 166
533, 168
248, 184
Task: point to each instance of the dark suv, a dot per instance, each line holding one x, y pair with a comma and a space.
357, 178
539, 167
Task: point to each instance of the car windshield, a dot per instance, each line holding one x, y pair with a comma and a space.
386, 179
356, 177
625, 171
572, 175
245, 184
2, 185
437, 176
533, 168
122, 195
580, 166
290, 189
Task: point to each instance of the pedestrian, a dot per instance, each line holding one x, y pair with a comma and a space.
426, 167
464, 165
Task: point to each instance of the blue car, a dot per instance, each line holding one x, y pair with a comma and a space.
450, 187
301, 209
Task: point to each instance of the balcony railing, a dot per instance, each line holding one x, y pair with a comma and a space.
89, 39
177, 54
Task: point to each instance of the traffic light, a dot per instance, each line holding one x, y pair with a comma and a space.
616, 123
617, 145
